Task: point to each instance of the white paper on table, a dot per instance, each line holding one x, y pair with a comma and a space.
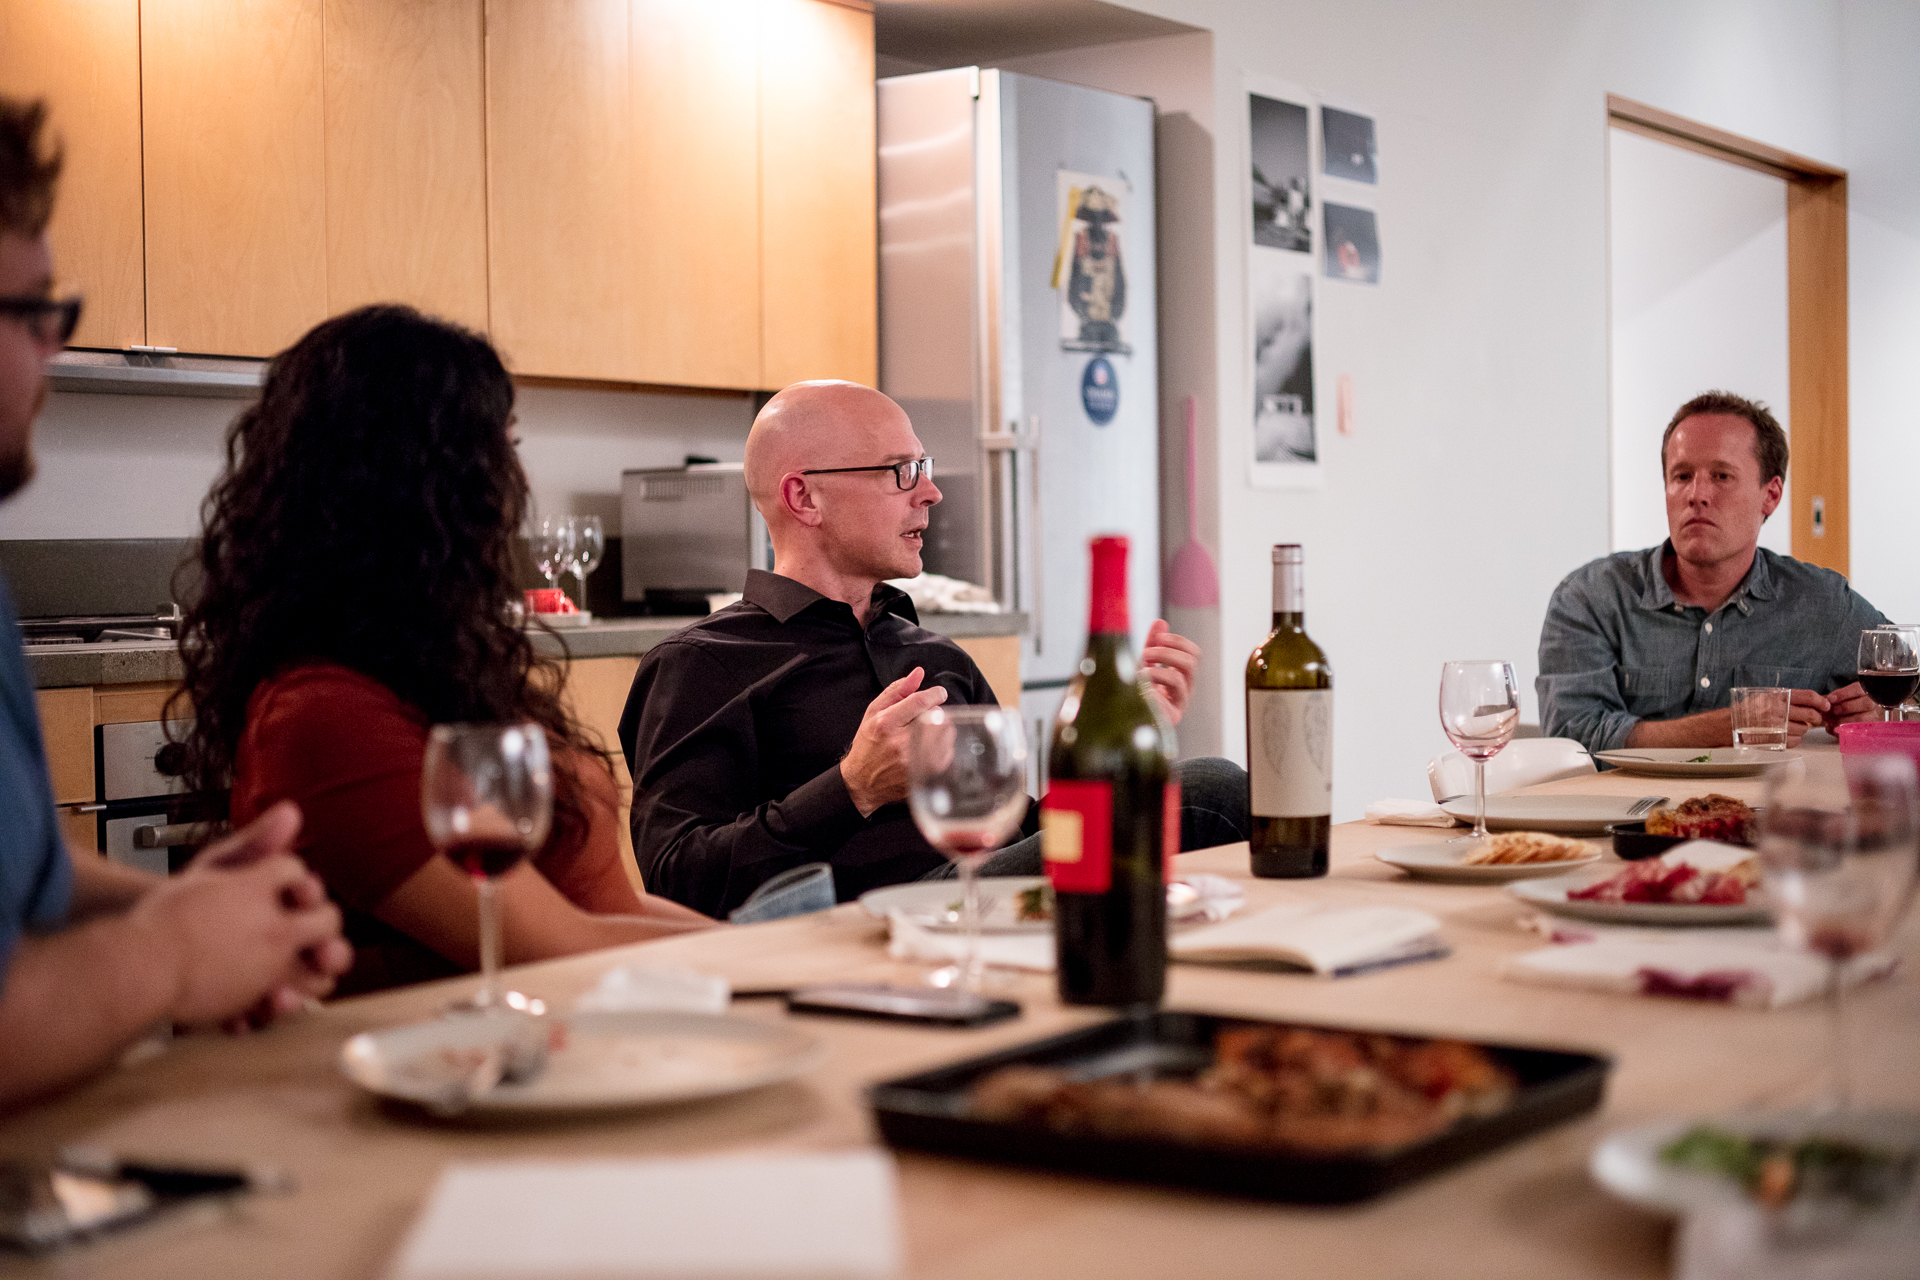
1749, 967
812, 1216
1030, 951
1408, 813
630, 987
1327, 940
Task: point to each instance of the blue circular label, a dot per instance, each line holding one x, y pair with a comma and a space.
1100, 391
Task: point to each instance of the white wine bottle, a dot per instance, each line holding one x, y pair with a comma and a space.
1289, 735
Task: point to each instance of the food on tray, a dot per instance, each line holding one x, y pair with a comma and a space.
1036, 903
1775, 1171
1510, 847
1709, 817
1296, 1088
1674, 880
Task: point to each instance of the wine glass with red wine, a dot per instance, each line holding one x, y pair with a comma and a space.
967, 787
1889, 665
1479, 709
1840, 852
486, 793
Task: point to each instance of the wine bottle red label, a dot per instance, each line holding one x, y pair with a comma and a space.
1076, 836
1291, 769
1169, 829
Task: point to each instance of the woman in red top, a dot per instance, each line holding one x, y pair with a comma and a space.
356, 588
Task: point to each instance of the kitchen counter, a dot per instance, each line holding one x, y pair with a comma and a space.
137, 662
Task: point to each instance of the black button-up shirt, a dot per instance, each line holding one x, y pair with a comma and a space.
734, 731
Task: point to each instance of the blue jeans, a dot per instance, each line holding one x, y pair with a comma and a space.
1213, 810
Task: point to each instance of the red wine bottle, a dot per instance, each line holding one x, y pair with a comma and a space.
1110, 819
1289, 736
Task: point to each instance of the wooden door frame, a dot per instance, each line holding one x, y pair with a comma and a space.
1816, 316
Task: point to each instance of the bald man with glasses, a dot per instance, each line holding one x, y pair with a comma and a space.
773, 733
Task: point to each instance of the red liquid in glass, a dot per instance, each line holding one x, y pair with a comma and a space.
486, 857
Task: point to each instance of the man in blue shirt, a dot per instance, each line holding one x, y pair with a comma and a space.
92, 954
1642, 648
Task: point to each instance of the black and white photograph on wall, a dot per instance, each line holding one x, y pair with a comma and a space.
1283, 421
1353, 244
1089, 265
1347, 146
1282, 173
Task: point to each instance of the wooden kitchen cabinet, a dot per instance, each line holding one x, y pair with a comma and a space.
818, 216
235, 165
406, 156
84, 59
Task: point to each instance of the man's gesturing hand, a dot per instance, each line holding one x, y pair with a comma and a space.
246, 925
875, 766
1170, 661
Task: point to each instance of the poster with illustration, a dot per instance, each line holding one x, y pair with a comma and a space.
1282, 173
1353, 244
1089, 265
1282, 203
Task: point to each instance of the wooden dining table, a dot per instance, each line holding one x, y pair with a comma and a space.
363, 1168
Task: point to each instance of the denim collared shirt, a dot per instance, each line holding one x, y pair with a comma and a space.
1617, 648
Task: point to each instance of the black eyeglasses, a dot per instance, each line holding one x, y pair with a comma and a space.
49, 320
905, 474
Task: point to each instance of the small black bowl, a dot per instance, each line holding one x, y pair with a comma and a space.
1631, 841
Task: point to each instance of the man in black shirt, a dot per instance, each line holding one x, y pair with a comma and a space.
773, 732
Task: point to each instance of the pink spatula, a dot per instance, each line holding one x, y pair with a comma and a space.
1192, 581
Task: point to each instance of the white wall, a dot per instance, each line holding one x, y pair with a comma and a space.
1697, 260
1476, 476
138, 466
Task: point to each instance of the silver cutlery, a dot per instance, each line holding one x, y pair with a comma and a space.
1645, 804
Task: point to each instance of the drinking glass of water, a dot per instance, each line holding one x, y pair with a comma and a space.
1760, 715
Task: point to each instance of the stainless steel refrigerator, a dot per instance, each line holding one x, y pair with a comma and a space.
1017, 329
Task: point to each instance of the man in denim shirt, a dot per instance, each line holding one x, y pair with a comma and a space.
1642, 648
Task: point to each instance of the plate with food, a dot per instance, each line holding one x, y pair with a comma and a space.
1561, 815
1024, 904
1508, 855
1695, 762
1858, 1160
594, 1060
1693, 883
1279, 1111
1708, 817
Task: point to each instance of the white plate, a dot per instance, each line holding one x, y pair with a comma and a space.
1440, 860
934, 904
1561, 815
1687, 762
1551, 895
1628, 1163
610, 1059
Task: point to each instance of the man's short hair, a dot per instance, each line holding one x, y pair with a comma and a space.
26, 175
1769, 441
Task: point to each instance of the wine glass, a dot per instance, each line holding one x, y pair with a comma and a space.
486, 793
1839, 851
1479, 709
967, 787
1889, 665
586, 544
550, 545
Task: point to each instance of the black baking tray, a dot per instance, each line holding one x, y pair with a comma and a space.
929, 1112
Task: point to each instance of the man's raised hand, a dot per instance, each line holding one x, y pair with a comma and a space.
875, 766
1170, 661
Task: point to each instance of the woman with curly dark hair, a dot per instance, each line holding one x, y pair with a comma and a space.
356, 586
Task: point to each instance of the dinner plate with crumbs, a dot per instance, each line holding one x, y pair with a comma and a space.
599, 1060
1695, 762
1444, 860
1551, 895
1008, 904
1679, 1166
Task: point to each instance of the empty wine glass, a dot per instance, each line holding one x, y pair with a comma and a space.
586, 545
486, 794
1889, 665
967, 787
1839, 851
1479, 709
551, 545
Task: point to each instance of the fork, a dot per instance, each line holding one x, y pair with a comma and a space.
1644, 804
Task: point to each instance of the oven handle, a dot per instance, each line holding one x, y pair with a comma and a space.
174, 835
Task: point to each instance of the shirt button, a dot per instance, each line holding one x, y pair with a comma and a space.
1705, 683
1709, 628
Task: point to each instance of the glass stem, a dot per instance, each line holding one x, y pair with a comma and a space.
489, 993
1839, 1091
1480, 799
970, 976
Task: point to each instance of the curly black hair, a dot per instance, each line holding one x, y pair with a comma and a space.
366, 517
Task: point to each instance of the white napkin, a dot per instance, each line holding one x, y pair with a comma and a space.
632, 986
729, 1216
1031, 951
1408, 813
1330, 941
1216, 898
1750, 967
